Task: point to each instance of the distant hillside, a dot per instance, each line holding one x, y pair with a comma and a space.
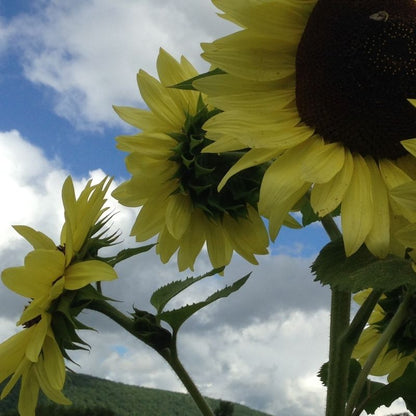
95, 396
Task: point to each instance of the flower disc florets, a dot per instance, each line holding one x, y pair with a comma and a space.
355, 70
200, 173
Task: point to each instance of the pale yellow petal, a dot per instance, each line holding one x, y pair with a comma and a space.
378, 239
323, 162
326, 197
253, 157
150, 221
83, 273
410, 146
35, 238
178, 214
166, 245
192, 241
29, 392
219, 248
38, 334
357, 207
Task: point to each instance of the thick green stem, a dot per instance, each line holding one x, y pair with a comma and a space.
391, 329
339, 354
169, 354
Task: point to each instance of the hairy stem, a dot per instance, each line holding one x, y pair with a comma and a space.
339, 354
169, 354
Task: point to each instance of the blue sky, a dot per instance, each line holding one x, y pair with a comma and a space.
62, 66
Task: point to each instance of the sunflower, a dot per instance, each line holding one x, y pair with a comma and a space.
401, 350
322, 90
34, 356
48, 270
175, 184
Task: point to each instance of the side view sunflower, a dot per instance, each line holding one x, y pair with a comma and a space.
50, 272
33, 356
51, 269
175, 184
401, 350
321, 90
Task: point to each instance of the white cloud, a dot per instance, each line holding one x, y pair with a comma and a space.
89, 52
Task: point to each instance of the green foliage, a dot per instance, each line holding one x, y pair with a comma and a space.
107, 398
224, 409
361, 270
188, 84
165, 293
125, 254
175, 318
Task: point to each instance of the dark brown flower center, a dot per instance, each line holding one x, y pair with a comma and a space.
355, 70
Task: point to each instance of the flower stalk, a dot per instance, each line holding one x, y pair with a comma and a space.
170, 354
339, 354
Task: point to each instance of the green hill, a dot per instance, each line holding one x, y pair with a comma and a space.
95, 396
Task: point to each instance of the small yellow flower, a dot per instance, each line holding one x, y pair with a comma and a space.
176, 185
320, 89
34, 356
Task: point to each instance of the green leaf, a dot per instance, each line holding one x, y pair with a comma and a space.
361, 270
165, 293
404, 387
125, 254
175, 318
188, 84
354, 371
308, 215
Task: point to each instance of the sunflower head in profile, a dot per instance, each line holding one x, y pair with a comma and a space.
323, 90
175, 184
401, 349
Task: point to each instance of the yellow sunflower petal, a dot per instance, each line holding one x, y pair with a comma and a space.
323, 163
326, 197
161, 104
150, 221
142, 119
81, 274
410, 145
378, 239
357, 207
252, 158
178, 214
192, 241
166, 245
35, 238
38, 334
219, 248
29, 392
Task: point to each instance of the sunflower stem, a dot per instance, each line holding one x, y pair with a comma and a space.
170, 354
175, 363
339, 353
390, 330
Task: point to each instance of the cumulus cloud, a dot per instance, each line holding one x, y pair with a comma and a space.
88, 53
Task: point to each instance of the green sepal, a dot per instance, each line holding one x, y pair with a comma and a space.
125, 254
309, 216
362, 270
164, 294
176, 317
403, 387
188, 84
149, 330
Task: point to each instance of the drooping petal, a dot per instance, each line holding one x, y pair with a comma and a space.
357, 207
327, 196
378, 239
178, 214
